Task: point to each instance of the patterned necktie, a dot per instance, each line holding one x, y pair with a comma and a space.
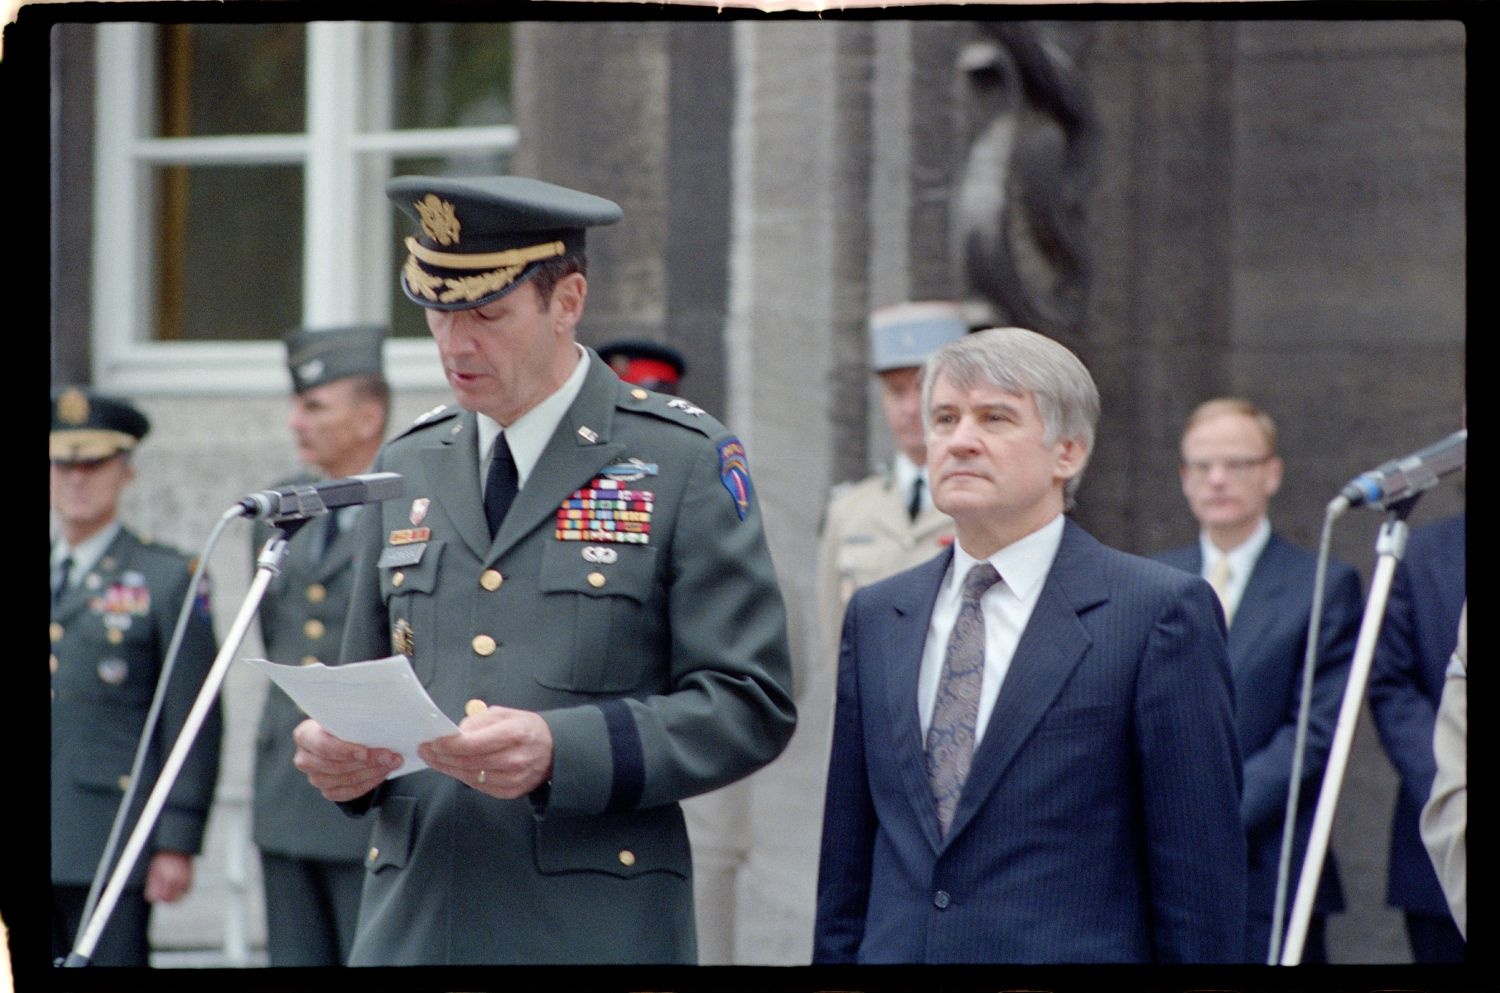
1218, 578
950, 738
500, 484
915, 506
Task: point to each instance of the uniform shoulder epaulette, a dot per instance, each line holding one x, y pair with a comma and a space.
441, 412
669, 408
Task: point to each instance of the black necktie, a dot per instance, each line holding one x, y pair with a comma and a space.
500, 484
65, 567
915, 506
330, 530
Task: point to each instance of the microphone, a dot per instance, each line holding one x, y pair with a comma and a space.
295, 503
1405, 477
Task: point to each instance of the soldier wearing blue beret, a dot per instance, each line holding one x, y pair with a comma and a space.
311, 855
581, 580
116, 598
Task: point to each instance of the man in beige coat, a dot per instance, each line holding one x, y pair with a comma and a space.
1445, 818
886, 522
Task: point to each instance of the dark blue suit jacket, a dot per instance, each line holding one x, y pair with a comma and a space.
1100, 821
1417, 637
1267, 645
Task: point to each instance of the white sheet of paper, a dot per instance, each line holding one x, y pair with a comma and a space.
378, 703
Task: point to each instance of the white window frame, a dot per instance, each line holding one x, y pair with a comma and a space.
346, 236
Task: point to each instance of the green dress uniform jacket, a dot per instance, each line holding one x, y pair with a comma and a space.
301, 620
110, 635
660, 665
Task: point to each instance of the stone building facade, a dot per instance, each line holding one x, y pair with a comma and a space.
1272, 208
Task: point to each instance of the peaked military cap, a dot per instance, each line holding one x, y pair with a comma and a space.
89, 427
481, 237
904, 334
646, 363
315, 356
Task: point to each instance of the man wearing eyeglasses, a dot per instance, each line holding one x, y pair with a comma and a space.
1230, 471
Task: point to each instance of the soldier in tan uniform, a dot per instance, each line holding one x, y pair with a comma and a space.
886, 522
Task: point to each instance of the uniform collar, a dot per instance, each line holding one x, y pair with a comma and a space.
529, 435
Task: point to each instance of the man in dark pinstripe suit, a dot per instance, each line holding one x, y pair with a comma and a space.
1034, 754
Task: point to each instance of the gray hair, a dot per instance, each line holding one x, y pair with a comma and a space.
1021, 361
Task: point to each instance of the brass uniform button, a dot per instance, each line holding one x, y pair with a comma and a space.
483, 645
475, 707
639, 393
372, 855
52, 663
124, 783
313, 629
627, 857
596, 579
317, 593
398, 578
55, 630
309, 660
491, 580
115, 636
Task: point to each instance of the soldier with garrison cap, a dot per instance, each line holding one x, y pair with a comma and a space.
116, 599
311, 855
580, 578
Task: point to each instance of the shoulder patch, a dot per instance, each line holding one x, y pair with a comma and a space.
734, 472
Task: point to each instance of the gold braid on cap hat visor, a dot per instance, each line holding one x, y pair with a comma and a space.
503, 268
87, 445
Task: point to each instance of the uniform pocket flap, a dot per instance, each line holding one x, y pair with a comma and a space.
596, 569
390, 841
397, 577
624, 845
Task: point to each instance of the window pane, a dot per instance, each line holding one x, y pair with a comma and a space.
449, 75
231, 79
230, 243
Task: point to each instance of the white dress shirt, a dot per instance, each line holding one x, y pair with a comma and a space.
1023, 566
905, 472
86, 555
1241, 563
529, 435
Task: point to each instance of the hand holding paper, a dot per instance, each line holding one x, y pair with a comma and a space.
379, 703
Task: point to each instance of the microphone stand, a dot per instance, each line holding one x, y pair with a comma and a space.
1390, 546
268, 565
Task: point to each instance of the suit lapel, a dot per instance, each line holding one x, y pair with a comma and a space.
905, 642
578, 449
1050, 648
110, 564
452, 461
338, 555
1260, 605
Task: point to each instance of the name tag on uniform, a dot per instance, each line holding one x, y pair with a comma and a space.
401, 555
410, 536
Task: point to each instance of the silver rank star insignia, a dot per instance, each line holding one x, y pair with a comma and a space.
685, 407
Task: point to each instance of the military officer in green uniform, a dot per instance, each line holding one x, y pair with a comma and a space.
116, 599
311, 854
579, 575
